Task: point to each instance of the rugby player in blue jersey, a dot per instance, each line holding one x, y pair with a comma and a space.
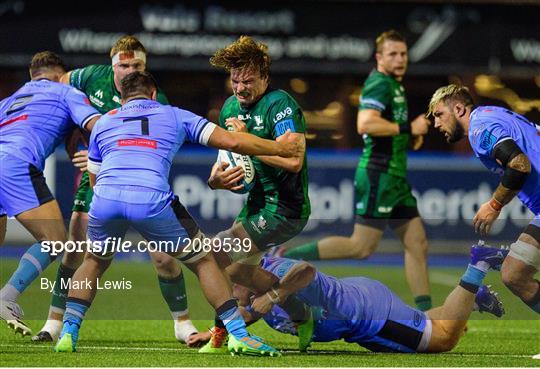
33, 122
364, 311
129, 158
508, 144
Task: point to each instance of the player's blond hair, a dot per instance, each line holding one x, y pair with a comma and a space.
45, 60
390, 35
450, 95
244, 53
127, 43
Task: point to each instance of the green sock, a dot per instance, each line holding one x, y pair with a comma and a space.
61, 290
423, 302
309, 251
174, 293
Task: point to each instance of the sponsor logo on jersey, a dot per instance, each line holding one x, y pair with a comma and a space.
116, 99
417, 319
384, 209
244, 117
487, 141
80, 202
283, 126
95, 101
99, 94
283, 114
141, 142
258, 123
262, 222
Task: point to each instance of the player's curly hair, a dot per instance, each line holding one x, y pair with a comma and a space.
244, 53
390, 35
127, 43
45, 60
450, 95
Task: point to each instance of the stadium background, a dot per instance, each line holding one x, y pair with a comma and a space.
322, 52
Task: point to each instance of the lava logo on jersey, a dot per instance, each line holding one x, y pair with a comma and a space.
282, 114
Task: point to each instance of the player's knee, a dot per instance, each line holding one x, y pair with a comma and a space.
78, 226
166, 266
512, 278
362, 250
417, 247
72, 260
449, 342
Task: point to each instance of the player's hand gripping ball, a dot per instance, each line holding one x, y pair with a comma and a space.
244, 161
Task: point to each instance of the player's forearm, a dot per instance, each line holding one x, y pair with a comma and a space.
514, 177
248, 317
503, 195
293, 165
92, 179
377, 127
248, 144
298, 277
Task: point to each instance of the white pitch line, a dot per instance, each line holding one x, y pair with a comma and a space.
314, 352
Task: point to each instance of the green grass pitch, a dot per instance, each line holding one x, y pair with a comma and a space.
133, 328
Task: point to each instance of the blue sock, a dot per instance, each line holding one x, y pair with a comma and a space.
75, 311
472, 279
32, 263
232, 319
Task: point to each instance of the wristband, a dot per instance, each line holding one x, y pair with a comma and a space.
495, 205
405, 128
274, 300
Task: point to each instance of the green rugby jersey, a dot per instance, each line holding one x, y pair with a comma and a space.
385, 154
97, 82
275, 189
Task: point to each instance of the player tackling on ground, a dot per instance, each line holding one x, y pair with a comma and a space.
364, 311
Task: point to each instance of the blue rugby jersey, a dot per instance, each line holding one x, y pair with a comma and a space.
35, 119
135, 144
490, 125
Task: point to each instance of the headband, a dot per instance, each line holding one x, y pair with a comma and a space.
125, 55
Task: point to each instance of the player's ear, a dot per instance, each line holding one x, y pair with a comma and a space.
154, 95
459, 110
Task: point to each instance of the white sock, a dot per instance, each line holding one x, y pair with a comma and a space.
54, 327
184, 329
180, 315
9, 293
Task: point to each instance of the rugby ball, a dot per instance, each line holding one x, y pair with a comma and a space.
234, 159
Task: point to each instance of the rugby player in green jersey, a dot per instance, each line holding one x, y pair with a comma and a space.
278, 205
101, 83
383, 195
